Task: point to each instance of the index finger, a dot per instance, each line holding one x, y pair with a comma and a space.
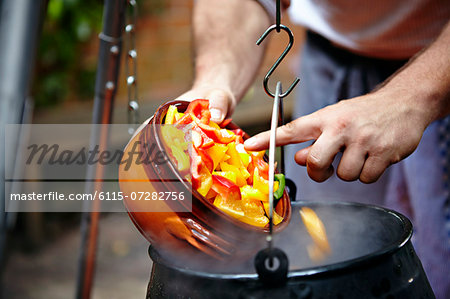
299, 130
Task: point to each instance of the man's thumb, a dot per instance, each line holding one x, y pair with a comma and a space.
218, 105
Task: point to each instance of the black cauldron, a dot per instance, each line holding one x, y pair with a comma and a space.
372, 257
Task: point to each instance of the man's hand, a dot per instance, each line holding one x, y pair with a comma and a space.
373, 132
221, 100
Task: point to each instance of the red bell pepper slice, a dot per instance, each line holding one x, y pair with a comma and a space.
200, 109
201, 168
263, 167
184, 120
225, 188
202, 180
220, 136
205, 141
225, 122
205, 159
196, 166
196, 161
238, 132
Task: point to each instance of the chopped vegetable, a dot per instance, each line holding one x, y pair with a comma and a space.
276, 217
225, 188
170, 116
199, 109
226, 174
277, 194
262, 184
217, 153
175, 139
229, 206
316, 229
218, 135
233, 179
252, 193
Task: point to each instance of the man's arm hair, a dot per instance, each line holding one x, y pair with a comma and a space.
427, 77
225, 33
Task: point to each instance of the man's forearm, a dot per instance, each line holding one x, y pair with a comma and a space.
426, 79
225, 33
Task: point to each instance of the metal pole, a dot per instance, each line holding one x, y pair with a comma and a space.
20, 27
105, 90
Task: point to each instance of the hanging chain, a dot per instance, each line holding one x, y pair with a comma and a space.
131, 64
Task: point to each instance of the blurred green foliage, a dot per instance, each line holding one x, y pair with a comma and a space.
68, 27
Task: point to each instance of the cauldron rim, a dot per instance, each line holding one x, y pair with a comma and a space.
345, 265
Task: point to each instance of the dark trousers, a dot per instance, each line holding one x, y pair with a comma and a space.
417, 186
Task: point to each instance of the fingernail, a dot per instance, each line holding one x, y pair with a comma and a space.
216, 114
250, 142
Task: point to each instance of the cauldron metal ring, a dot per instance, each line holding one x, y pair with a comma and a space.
390, 269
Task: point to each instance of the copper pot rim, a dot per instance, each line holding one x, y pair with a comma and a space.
157, 119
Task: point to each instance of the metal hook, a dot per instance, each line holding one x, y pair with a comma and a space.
278, 61
278, 17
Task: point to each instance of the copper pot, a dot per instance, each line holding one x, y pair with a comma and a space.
170, 226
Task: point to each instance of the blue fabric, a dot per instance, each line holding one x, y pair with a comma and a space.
417, 186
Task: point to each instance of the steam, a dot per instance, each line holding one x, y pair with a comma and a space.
353, 231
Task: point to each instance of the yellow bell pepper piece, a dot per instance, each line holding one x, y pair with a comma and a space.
178, 115
181, 158
205, 182
260, 221
235, 159
245, 158
315, 228
262, 184
225, 158
214, 125
254, 213
276, 217
244, 155
244, 172
259, 154
229, 132
240, 179
250, 193
247, 212
252, 208
172, 135
211, 194
174, 139
217, 153
170, 116
230, 206
231, 175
